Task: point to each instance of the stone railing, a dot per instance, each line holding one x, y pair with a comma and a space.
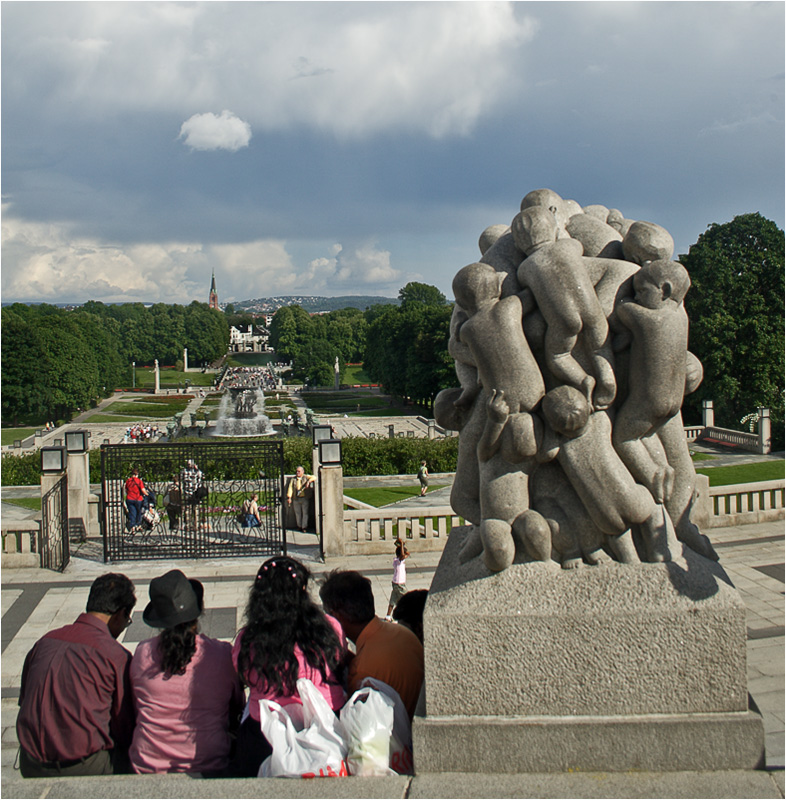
370, 531
745, 441
20, 544
693, 432
373, 531
743, 503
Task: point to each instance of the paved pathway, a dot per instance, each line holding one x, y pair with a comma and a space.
35, 601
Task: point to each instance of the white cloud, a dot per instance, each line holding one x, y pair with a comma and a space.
49, 263
352, 69
211, 132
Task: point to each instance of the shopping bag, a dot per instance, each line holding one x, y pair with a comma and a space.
318, 750
378, 731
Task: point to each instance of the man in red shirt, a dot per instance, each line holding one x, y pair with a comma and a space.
76, 715
384, 650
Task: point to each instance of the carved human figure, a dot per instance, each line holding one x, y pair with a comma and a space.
581, 441
470, 421
506, 452
494, 335
555, 273
646, 241
657, 369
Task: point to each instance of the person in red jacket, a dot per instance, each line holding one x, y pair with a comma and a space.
135, 494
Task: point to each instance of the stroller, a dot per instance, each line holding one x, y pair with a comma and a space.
150, 517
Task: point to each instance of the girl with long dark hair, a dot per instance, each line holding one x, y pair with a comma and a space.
187, 694
286, 637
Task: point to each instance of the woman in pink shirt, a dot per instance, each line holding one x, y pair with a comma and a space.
286, 637
186, 691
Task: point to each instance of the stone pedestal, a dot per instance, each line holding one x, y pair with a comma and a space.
78, 494
608, 668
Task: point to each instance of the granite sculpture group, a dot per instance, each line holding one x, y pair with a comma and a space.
570, 341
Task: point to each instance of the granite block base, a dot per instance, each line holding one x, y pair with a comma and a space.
610, 667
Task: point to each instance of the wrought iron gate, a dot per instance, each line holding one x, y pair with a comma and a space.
53, 535
206, 523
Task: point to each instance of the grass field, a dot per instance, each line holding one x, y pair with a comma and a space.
702, 457
31, 503
143, 409
10, 435
171, 378
249, 359
744, 473
384, 496
97, 418
354, 375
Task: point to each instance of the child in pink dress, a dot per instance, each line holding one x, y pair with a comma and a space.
399, 577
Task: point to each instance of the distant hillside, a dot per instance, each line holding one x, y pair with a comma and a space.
268, 305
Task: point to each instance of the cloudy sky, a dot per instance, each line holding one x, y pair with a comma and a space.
347, 148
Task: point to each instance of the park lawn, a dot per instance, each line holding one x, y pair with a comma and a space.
702, 457
388, 411
171, 378
744, 473
96, 418
383, 495
354, 375
146, 409
31, 503
249, 359
10, 435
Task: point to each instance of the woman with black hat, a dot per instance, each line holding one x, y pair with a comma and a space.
186, 691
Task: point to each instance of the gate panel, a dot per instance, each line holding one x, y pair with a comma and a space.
53, 536
204, 526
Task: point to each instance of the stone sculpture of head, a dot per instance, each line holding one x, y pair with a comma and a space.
533, 228
476, 286
646, 241
490, 237
566, 410
659, 282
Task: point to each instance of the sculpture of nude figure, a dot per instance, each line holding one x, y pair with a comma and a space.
656, 372
657, 379
494, 335
565, 296
581, 441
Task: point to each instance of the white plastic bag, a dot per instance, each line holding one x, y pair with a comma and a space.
378, 731
318, 750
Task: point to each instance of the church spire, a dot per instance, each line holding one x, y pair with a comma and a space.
213, 298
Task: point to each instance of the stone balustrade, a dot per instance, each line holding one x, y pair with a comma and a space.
373, 531
20, 544
740, 439
744, 503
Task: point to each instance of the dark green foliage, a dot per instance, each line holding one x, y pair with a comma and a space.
736, 310
56, 360
415, 294
314, 343
361, 457
407, 350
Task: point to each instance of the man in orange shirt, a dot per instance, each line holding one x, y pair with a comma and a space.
384, 650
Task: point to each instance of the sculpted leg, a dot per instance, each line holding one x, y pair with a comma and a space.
532, 532
498, 546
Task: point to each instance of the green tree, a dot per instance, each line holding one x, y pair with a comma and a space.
736, 310
407, 347
415, 294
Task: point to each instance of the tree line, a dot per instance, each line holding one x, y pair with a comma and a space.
56, 360
403, 347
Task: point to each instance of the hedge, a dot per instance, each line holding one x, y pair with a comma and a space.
361, 456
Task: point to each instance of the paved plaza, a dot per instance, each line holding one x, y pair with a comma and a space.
35, 601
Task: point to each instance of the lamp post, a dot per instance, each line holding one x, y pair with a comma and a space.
133, 374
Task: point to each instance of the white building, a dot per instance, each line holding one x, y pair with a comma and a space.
248, 339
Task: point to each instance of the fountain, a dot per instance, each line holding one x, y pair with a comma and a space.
241, 414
